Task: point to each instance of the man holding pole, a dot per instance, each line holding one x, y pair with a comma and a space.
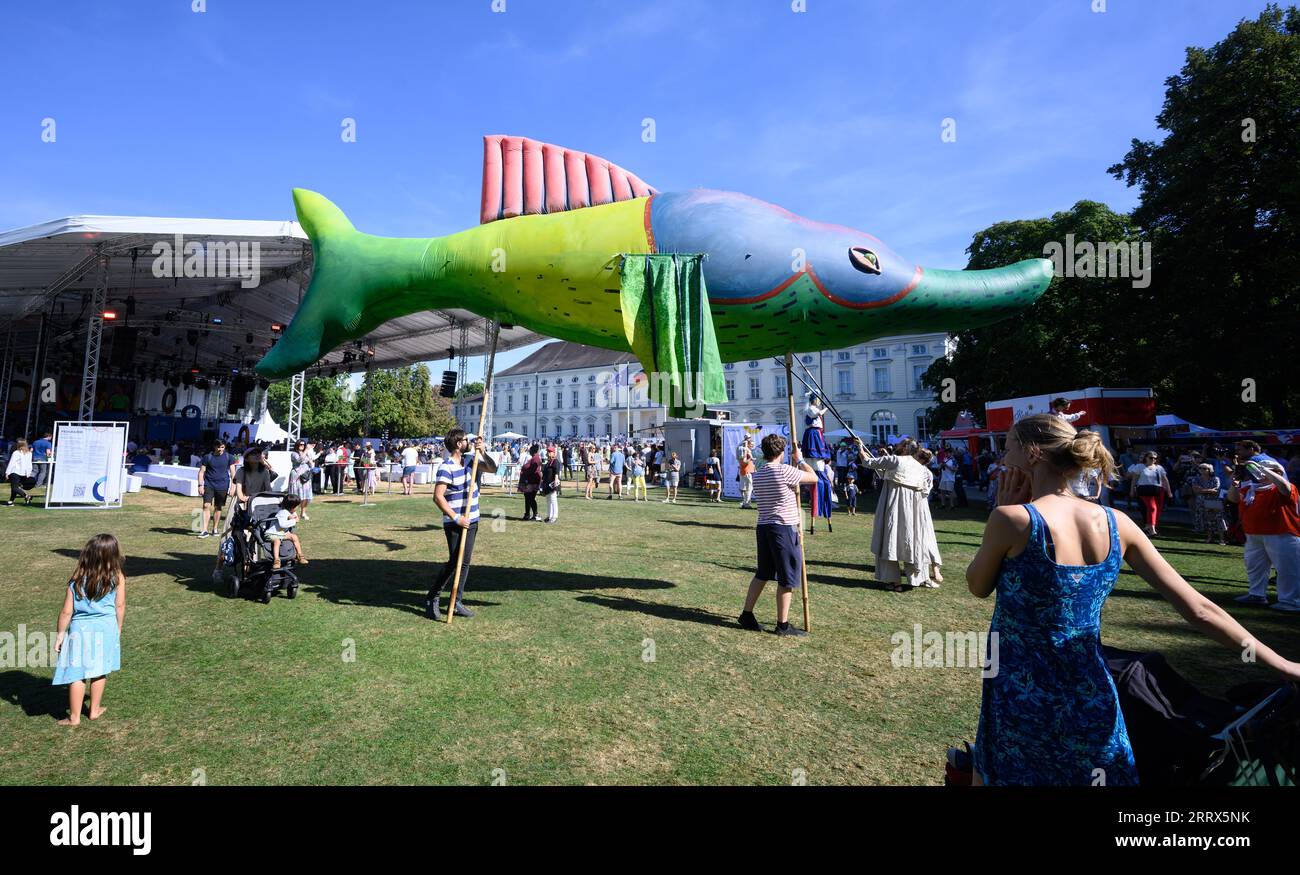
780, 556
456, 494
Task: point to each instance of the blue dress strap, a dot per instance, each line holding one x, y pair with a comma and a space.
1039, 535
1115, 553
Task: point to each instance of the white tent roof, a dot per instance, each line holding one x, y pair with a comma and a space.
51, 268
268, 430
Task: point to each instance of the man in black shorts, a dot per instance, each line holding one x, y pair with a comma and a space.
215, 471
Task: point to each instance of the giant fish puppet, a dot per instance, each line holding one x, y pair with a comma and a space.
555, 224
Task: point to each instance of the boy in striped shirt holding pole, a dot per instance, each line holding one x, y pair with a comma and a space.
777, 532
457, 498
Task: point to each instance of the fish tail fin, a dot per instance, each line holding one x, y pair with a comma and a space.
318, 216
356, 284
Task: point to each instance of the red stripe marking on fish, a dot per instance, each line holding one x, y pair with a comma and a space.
649, 231
866, 305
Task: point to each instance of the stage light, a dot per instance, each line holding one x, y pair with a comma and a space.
277, 327
216, 320
110, 315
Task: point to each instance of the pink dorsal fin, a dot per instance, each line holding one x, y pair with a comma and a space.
525, 177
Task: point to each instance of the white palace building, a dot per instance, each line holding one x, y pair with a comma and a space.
569, 390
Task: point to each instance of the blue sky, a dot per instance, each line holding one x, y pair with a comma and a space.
834, 113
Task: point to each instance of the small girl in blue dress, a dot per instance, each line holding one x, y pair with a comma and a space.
90, 626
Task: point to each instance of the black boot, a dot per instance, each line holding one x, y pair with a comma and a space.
431, 609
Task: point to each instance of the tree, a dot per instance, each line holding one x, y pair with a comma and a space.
327, 414
404, 404
468, 389
1077, 334
1220, 201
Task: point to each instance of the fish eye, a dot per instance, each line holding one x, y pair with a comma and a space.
864, 259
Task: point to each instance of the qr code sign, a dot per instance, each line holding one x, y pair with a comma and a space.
79, 490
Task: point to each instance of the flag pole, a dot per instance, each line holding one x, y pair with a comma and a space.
473, 470
803, 564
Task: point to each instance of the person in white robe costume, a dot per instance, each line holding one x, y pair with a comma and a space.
902, 535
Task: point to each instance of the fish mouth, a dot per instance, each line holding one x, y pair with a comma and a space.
971, 298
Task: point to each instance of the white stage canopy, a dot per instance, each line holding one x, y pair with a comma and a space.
219, 324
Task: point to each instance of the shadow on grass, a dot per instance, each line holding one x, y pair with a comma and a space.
699, 524
390, 546
385, 583
662, 611
192, 569
747, 571
35, 695
402, 585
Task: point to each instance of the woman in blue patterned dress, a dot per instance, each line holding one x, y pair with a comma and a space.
1050, 713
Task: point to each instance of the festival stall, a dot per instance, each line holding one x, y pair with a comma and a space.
1103, 409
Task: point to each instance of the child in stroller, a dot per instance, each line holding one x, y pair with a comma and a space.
247, 560
279, 529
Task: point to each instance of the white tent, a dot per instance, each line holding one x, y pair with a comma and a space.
267, 430
510, 436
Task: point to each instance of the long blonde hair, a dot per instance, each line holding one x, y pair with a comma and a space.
1065, 449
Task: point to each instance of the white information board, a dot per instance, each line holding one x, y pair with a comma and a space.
89, 465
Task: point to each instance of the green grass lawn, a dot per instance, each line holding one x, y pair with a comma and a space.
551, 681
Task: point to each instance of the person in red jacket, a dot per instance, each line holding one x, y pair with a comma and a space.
1269, 506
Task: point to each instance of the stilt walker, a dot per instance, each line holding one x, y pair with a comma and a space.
803, 560
473, 469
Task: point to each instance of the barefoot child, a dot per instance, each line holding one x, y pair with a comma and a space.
282, 529
90, 626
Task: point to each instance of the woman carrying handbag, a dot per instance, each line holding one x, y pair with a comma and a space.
530, 480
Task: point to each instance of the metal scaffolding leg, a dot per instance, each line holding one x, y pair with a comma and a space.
6, 378
94, 336
38, 371
365, 433
295, 407
490, 329
463, 346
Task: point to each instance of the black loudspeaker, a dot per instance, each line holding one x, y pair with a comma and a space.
123, 357
448, 384
238, 395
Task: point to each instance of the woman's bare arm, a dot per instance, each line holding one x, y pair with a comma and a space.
1198, 610
1001, 534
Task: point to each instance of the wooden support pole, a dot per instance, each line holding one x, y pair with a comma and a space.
794, 437
473, 470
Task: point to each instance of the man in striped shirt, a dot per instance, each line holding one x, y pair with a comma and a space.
457, 498
777, 532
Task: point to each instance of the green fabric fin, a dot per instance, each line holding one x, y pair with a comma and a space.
670, 329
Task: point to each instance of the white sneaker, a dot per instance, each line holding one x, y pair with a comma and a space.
1251, 599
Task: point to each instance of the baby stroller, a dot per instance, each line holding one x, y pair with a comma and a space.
1181, 737
247, 553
